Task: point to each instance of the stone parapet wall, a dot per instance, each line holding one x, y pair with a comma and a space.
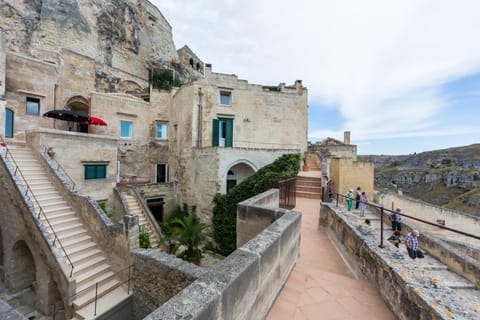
8, 313
242, 286
406, 289
426, 211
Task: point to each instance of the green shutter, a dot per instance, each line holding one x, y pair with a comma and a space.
229, 135
89, 172
215, 133
101, 172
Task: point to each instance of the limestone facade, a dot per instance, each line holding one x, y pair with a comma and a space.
196, 140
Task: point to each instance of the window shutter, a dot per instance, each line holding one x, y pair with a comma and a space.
215, 133
229, 136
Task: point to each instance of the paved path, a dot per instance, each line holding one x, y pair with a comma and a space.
321, 286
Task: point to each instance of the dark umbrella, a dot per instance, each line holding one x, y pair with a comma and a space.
66, 115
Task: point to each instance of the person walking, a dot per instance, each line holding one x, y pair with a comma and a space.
396, 220
411, 242
363, 204
357, 198
349, 196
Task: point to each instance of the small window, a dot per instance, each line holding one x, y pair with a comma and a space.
33, 106
126, 129
225, 98
162, 173
95, 171
162, 131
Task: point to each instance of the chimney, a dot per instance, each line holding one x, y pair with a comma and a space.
346, 137
208, 69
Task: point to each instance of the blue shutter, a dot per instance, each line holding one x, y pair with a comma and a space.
215, 133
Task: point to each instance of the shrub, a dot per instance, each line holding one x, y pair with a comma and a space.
225, 210
144, 238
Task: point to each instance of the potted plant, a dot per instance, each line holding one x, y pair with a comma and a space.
305, 166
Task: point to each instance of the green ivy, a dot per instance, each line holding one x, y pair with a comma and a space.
225, 210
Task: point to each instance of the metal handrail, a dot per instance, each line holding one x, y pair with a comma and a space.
40, 211
382, 211
103, 293
147, 213
287, 190
59, 166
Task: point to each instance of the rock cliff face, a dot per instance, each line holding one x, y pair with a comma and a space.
449, 177
126, 34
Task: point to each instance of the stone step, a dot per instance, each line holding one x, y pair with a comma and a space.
308, 195
449, 279
61, 215
88, 265
67, 229
81, 258
80, 249
309, 189
58, 223
93, 276
77, 241
103, 304
72, 234
88, 296
56, 209
51, 203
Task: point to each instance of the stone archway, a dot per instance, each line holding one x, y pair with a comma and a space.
23, 267
79, 104
237, 173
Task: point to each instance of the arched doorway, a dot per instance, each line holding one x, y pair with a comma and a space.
9, 118
79, 104
237, 173
23, 267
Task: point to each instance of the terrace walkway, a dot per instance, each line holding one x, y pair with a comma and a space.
321, 286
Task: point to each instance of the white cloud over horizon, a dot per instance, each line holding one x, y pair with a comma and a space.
381, 64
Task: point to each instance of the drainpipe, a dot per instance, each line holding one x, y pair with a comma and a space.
200, 118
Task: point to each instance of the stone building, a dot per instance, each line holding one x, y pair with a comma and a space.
169, 144
338, 162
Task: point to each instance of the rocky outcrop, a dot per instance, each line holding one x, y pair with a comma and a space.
439, 176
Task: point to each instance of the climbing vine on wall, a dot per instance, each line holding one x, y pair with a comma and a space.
225, 210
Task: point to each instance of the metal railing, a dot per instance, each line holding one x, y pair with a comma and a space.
384, 211
107, 291
29, 193
146, 212
59, 167
287, 189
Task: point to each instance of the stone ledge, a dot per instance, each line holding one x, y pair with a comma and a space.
407, 288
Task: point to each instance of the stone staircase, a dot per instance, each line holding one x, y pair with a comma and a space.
309, 187
135, 209
89, 262
313, 162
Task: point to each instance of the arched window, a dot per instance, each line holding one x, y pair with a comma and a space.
191, 62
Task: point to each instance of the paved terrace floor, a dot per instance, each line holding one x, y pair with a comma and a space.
321, 286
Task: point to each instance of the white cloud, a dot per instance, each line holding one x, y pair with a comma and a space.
381, 62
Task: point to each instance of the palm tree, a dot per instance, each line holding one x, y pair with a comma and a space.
191, 234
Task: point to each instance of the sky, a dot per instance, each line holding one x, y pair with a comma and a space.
401, 76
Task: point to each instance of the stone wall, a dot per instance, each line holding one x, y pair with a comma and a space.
19, 224
87, 149
157, 277
7, 313
426, 211
348, 174
406, 290
245, 284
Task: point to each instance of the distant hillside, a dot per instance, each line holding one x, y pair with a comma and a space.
447, 177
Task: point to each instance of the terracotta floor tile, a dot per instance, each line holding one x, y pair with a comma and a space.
321, 285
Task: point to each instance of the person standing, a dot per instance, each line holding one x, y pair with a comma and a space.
357, 198
363, 204
411, 242
396, 220
349, 196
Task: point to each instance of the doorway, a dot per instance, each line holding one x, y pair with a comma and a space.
156, 208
